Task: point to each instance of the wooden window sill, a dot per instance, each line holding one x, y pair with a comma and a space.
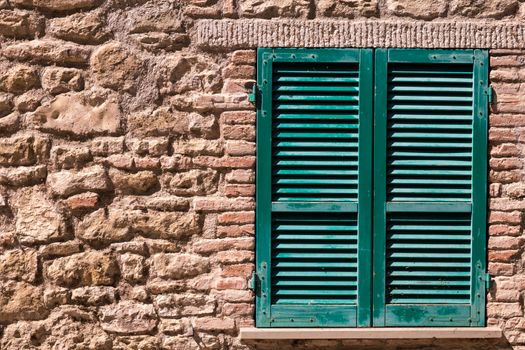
370, 333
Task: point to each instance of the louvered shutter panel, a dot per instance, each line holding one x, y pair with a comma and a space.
430, 187
314, 160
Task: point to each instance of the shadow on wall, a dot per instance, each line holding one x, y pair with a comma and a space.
393, 344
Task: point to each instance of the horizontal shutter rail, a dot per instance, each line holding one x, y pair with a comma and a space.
416, 207
315, 207
420, 57
320, 56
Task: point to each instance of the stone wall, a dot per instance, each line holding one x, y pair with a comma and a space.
127, 173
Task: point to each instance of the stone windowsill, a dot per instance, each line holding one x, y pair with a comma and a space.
370, 333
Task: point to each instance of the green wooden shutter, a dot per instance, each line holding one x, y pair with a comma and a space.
314, 162
430, 187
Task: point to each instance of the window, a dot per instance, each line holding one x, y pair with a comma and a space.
371, 187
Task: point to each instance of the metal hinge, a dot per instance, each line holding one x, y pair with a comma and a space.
487, 280
489, 91
252, 97
252, 283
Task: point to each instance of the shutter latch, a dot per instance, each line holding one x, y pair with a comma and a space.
252, 97
487, 280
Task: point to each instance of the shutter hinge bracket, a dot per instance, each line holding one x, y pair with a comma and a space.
252, 283
252, 97
489, 91
487, 279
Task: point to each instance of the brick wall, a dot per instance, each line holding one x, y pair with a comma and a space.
127, 173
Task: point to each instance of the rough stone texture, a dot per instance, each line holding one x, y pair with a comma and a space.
68, 182
284, 33
116, 67
127, 162
19, 79
101, 228
82, 28
59, 80
37, 219
83, 269
177, 266
48, 52
20, 24
128, 318
84, 113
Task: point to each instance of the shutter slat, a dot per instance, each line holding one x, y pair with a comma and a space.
303, 170
309, 98
316, 88
305, 79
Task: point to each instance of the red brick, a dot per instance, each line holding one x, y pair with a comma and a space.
83, 201
505, 163
213, 324
501, 269
202, 282
230, 283
507, 120
232, 86
504, 230
120, 161
244, 57
505, 177
238, 270
237, 309
502, 255
176, 162
216, 245
239, 72
147, 163
507, 61
505, 150
228, 8
234, 256
240, 176
506, 204
510, 74
250, 322
240, 148
238, 117
212, 204
201, 12
234, 295
236, 230
514, 217
515, 190
501, 135
239, 190
246, 217
504, 242
239, 132
495, 190
505, 310
225, 162
506, 295
510, 106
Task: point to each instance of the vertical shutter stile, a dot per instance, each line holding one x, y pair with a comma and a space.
430, 183
309, 158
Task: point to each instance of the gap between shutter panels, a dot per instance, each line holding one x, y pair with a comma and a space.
315, 123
